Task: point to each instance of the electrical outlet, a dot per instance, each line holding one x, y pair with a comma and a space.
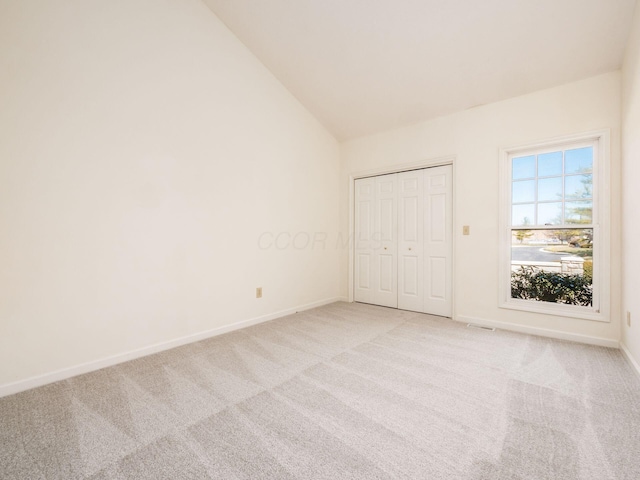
259, 292
465, 230
628, 319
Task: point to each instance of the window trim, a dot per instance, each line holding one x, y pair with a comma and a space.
600, 311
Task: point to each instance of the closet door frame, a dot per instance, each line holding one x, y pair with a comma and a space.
438, 162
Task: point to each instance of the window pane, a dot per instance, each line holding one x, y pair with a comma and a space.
550, 213
552, 266
578, 212
523, 167
549, 189
524, 191
578, 186
578, 160
522, 215
550, 164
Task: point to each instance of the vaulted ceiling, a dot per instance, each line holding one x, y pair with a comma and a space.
364, 66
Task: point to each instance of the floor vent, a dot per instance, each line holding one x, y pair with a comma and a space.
481, 327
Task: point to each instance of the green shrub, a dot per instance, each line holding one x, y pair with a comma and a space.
530, 283
588, 270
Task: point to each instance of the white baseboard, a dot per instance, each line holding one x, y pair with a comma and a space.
63, 374
542, 332
629, 357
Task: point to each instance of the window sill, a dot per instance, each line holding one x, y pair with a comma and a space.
572, 311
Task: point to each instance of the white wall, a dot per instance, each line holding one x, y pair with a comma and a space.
474, 137
143, 151
631, 191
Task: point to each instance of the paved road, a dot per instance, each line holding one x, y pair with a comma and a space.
534, 254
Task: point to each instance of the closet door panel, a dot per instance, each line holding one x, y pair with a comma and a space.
386, 241
410, 240
438, 236
364, 238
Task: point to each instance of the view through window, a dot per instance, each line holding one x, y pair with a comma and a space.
552, 225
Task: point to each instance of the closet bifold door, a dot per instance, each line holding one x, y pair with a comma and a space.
376, 225
411, 240
385, 245
403, 240
438, 240
363, 240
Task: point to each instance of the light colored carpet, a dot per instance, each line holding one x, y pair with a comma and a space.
339, 392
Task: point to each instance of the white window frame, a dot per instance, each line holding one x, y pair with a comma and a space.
599, 311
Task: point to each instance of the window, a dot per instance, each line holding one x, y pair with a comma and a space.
553, 235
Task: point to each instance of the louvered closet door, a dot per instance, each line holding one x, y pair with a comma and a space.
438, 233
410, 241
